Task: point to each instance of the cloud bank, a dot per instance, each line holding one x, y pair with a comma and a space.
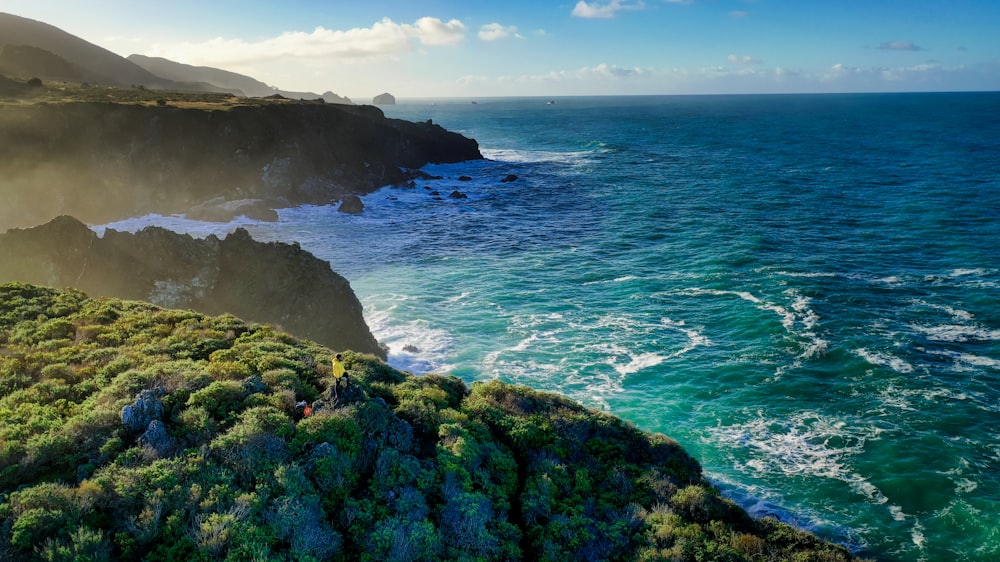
384, 39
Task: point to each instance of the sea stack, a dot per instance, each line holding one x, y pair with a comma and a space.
384, 99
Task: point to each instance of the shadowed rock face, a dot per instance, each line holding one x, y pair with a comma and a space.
102, 162
263, 282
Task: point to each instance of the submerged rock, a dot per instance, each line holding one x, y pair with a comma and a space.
351, 205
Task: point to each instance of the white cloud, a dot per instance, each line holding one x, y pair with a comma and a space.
595, 10
899, 45
611, 71
495, 31
739, 13
745, 59
383, 39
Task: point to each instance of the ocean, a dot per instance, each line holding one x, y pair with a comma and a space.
802, 290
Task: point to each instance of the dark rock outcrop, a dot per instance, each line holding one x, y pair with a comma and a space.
457, 195
146, 408
103, 162
509, 178
351, 205
275, 283
156, 438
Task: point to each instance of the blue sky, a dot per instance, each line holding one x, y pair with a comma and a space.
444, 48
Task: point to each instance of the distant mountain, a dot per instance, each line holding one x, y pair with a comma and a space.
231, 81
93, 64
44, 51
25, 61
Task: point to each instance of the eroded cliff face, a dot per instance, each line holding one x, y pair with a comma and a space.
105, 161
272, 283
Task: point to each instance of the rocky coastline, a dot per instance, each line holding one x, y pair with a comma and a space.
272, 283
103, 161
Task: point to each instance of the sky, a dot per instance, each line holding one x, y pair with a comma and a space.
471, 48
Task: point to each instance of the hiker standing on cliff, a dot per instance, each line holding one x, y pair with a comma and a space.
339, 372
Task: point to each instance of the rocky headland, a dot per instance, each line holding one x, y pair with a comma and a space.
133, 432
271, 283
103, 161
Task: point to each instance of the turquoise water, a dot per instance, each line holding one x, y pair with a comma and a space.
803, 290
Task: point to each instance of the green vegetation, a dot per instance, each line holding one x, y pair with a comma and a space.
11, 92
130, 432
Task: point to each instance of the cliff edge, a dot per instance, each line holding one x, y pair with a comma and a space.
273, 283
106, 161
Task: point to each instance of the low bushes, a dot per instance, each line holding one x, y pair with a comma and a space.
396, 467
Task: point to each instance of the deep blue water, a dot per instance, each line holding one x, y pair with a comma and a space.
803, 290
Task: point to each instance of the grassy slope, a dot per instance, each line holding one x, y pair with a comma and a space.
67, 92
395, 468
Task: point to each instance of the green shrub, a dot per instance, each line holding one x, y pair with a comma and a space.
220, 399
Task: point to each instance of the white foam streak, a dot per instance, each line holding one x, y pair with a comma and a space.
957, 333
882, 359
637, 363
531, 156
968, 359
176, 223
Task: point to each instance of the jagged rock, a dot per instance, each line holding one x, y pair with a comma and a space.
464, 178
509, 178
457, 195
409, 348
146, 408
254, 385
420, 175
156, 438
333, 398
275, 283
352, 205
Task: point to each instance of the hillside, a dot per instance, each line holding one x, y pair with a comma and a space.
134, 432
26, 62
238, 84
89, 62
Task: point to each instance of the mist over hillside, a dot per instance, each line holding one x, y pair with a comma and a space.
34, 49
236, 83
92, 63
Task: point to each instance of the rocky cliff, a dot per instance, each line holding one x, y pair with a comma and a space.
264, 282
105, 161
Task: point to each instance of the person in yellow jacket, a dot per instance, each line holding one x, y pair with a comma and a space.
339, 372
